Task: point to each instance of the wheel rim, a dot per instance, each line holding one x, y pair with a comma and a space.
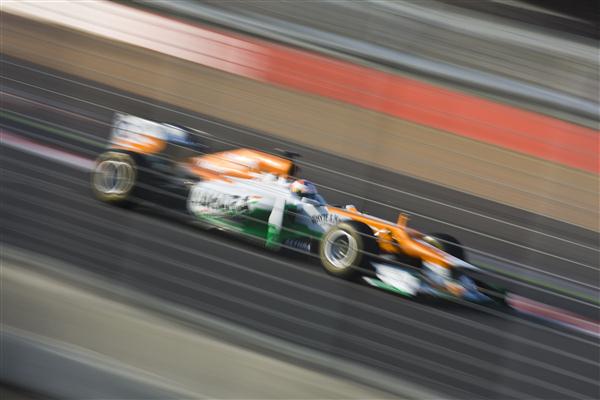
113, 177
340, 249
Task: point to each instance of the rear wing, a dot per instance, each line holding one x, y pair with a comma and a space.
144, 136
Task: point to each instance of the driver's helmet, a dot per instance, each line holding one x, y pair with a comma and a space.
304, 188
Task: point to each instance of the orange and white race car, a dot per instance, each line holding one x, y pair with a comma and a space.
254, 194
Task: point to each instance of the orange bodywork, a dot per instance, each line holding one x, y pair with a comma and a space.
239, 163
142, 144
395, 238
247, 164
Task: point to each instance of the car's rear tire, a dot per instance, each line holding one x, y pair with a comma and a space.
346, 250
114, 178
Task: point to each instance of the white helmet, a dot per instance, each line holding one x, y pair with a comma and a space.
304, 188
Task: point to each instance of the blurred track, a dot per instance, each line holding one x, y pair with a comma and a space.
468, 352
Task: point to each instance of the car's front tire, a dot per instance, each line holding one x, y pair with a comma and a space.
452, 246
449, 244
497, 294
346, 250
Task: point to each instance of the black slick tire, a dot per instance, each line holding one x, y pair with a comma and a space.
346, 250
450, 245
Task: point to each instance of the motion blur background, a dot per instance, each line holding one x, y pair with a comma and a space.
477, 118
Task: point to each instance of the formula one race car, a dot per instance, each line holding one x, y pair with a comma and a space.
254, 194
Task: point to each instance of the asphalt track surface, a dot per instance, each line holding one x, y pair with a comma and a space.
466, 351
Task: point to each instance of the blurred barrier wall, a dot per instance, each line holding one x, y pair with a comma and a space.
541, 69
400, 140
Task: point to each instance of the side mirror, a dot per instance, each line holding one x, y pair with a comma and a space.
351, 208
